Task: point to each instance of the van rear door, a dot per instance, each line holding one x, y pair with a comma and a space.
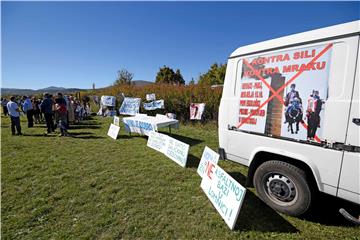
349, 184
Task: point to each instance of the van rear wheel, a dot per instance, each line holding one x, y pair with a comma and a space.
283, 187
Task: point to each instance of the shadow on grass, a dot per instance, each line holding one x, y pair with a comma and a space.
187, 140
86, 137
325, 210
255, 215
81, 133
93, 126
192, 161
40, 135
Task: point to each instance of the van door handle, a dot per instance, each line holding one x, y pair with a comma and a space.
356, 121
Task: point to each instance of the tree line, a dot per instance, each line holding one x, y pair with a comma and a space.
167, 75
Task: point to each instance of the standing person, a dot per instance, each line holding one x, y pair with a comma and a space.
4, 105
46, 108
28, 109
71, 110
60, 107
313, 114
36, 110
14, 113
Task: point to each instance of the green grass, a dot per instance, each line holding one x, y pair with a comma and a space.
90, 186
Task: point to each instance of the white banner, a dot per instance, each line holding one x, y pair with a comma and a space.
158, 104
130, 106
150, 97
108, 101
226, 194
196, 111
208, 155
139, 126
113, 131
172, 148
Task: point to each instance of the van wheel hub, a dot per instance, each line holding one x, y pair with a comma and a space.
280, 188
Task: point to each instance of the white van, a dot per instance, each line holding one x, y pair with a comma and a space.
290, 112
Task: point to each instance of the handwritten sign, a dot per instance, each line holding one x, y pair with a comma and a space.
130, 106
177, 151
172, 148
142, 127
226, 194
108, 101
158, 104
208, 155
113, 131
116, 121
158, 141
150, 97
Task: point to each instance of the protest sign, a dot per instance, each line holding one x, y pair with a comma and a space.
226, 194
116, 121
150, 97
159, 104
172, 148
196, 111
208, 155
113, 131
108, 101
142, 127
158, 141
284, 93
177, 151
130, 106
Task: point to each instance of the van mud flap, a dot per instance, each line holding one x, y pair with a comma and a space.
350, 218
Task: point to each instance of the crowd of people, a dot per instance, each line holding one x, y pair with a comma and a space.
55, 111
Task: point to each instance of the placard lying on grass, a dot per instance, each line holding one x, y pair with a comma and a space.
208, 155
224, 192
172, 148
113, 131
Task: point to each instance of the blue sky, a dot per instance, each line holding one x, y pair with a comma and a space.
75, 44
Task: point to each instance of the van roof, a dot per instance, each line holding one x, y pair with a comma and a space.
345, 29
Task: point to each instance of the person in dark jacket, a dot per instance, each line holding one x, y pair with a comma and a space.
46, 108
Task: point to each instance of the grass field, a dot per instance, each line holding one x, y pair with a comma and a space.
90, 186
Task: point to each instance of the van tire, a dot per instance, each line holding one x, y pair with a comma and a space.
283, 187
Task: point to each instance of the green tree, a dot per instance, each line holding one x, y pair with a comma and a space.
192, 81
215, 75
123, 77
168, 76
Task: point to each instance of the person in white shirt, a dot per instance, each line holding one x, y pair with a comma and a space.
14, 113
28, 109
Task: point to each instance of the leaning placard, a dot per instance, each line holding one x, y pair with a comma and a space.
224, 192
113, 131
116, 121
208, 155
177, 151
158, 141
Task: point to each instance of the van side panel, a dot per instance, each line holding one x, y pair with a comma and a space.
324, 162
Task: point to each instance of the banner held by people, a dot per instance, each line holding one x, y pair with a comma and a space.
130, 106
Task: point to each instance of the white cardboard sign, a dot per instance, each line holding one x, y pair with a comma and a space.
226, 194
172, 148
113, 131
116, 121
208, 155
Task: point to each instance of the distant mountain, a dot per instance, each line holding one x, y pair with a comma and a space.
52, 90
141, 82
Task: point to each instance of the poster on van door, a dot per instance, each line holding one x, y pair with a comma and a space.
284, 93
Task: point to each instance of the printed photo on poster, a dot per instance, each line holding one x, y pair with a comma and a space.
284, 93
196, 111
